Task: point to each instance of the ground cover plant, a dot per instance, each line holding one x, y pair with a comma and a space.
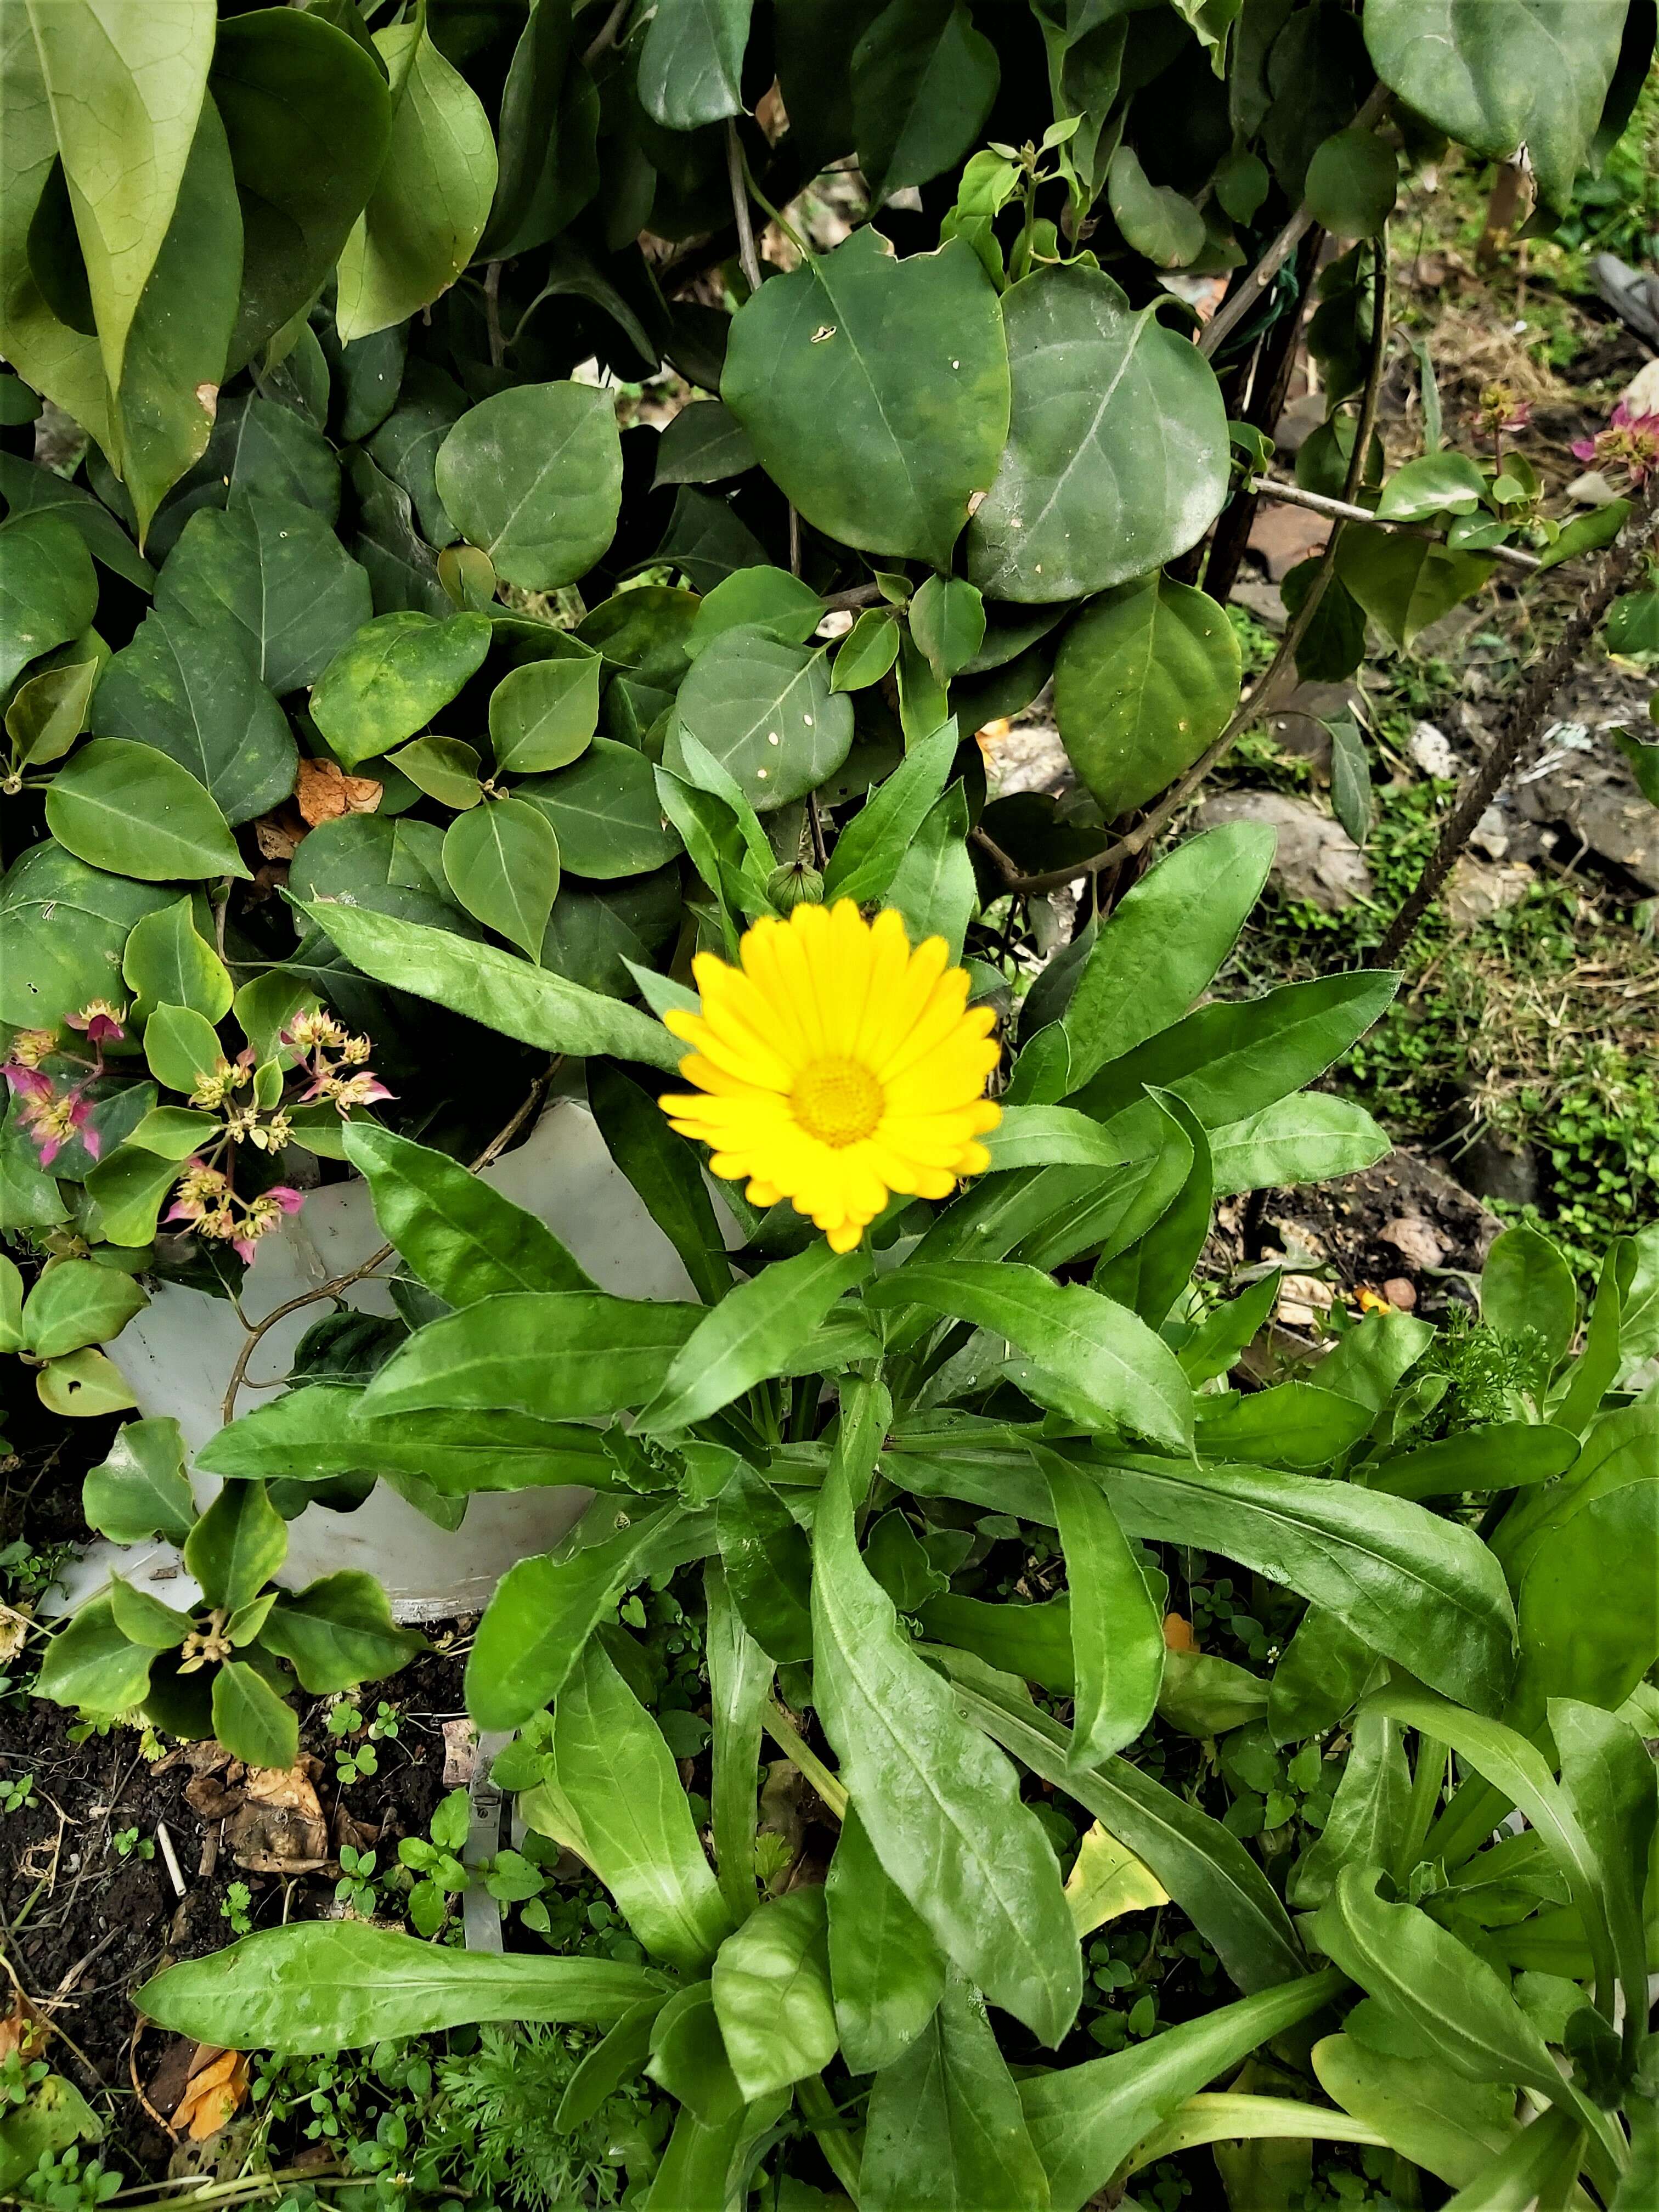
515, 516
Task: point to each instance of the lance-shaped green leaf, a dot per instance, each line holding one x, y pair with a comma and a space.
1367, 1821
252, 1719
132, 809
1609, 1775
532, 476
940, 1805
1207, 1871
493, 987
537, 1626
739, 1683
462, 1239
338, 1632
560, 1355
609, 1760
1096, 1360
869, 851
945, 2125
772, 1994
667, 1173
1308, 1138
907, 359
1505, 1455
1451, 1997
768, 1565
1117, 1632
1116, 458
887, 1971
751, 1333
1085, 2120
1537, 75
333, 1985
1421, 1590
1451, 2127
237, 1546
322, 1430
1050, 1136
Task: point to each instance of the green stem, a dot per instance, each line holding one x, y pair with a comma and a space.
789, 1739
782, 220
1427, 1781
835, 2137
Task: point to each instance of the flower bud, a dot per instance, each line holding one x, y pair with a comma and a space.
798, 885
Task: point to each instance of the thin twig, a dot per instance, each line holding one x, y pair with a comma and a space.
1342, 510
1227, 317
789, 1741
606, 36
747, 256
1525, 722
1262, 699
336, 1284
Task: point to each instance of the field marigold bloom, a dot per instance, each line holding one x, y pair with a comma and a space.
835, 1065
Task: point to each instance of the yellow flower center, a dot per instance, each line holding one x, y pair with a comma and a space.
838, 1102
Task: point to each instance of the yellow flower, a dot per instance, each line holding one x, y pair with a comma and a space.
836, 1065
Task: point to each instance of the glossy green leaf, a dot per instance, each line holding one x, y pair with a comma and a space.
1405, 583
1145, 679
338, 1632
63, 926
166, 963
1096, 1360
688, 2056
1507, 1454
692, 62
1085, 2120
739, 1682
767, 1560
1608, 1774
446, 768
533, 476
615, 2058
1527, 1288
667, 1171
765, 711
752, 1333
563, 1355
1117, 1631
887, 1971
1116, 458
501, 860
771, 1983
76, 1301
48, 592
128, 1190
606, 814
609, 1760
923, 79
1451, 2127
48, 712
393, 677
1156, 219
1368, 1820
1309, 1138
1352, 182
944, 2127
866, 653
543, 715
545, 1608
141, 1489
1537, 73
493, 988
431, 195
1437, 483
703, 444
251, 1720
907, 359
237, 1546
272, 574
871, 850
89, 1664
180, 1046
334, 1985
82, 1385
130, 809
941, 1807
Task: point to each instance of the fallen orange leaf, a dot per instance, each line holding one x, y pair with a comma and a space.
216, 2089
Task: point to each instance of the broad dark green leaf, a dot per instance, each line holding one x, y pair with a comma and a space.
309, 117
751, 1333
692, 62
1098, 1361
141, 1489
76, 1303
605, 812
272, 574
493, 988
189, 690
1527, 1288
251, 1719
237, 1546
543, 715
391, 866
432, 192
462, 1238
772, 1994
1405, 583
888, 1972
1206, 1869
1354, 181
1310, 1137
1158, 220
907, 359
941, 1807
560, 1355
923, 79
533, 476
1116, 458
27, 487
704, 444
1537, 73
765, 711
48, 593
391, 676
1085, 2120
502, 861
1145, 679
609, 1761
333, 1985
1288, 1425
768, 1565
945, 2131
91, 1665
1117, 1631
544, 1610
338, 1632
166, 963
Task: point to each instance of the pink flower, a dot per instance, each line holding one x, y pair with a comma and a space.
101, 1021
286, 1197
25, 1082
55, 1120
1630, 442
